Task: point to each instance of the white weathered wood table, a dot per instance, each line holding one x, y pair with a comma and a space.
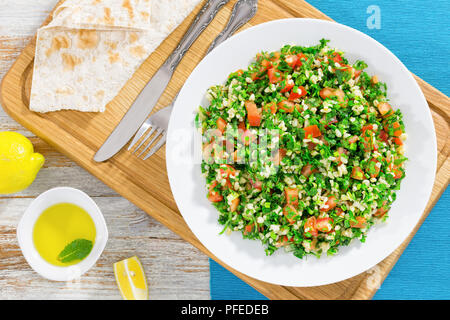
174, 268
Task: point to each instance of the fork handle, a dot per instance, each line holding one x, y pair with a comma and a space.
201, 21
242, 12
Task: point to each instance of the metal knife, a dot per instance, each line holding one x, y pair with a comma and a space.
242, 12
149, 96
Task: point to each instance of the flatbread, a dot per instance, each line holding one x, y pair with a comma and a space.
92, 47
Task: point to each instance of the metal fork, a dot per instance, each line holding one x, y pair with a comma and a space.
158, 123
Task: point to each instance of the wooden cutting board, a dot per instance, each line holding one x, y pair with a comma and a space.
79, 135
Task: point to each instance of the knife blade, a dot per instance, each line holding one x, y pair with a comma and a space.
149, 96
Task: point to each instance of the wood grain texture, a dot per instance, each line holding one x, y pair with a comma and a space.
174, 268
145, 182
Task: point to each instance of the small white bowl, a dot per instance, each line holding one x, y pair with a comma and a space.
28, 220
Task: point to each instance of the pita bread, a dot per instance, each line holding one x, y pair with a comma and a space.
92, 47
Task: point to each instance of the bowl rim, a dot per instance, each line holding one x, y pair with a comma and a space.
32, 213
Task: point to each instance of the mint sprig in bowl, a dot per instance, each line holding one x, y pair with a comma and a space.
78, 250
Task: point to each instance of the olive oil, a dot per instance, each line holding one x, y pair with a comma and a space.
58, 226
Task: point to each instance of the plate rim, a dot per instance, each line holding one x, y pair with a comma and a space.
428, 192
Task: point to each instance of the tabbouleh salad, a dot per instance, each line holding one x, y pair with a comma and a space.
339, 145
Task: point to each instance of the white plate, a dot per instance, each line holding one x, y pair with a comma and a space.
248, 256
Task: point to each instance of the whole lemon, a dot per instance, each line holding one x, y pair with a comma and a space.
19, 164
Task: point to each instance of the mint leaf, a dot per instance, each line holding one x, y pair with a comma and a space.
76, 250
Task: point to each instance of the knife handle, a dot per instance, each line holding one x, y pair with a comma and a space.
242, 12
202, 20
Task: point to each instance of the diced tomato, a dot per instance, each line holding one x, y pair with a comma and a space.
367, 137
265, 64
340, 212
336, 57
279, 156
291, 196
253, 114
247, 137
270, 107
308, 170
397, 172
381, 211
239, 72
357, 173
221, 124
398, 141
291, 60
241, 126
287, 106
373, 168
213, 195
301, 57
284, 241
360, 224
330, 92
383, 136
226, 170
374, 79
312, 131
274, 75
368, 127
234, 204
256, 184
397, 129
290, 212
330, 204
353, 139
326, 92
249, 228
310, 226
324, 224
289, 84
385, 109
340, 95
301, 91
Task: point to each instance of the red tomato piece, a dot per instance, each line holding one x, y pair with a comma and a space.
373, 168
270, 107
330, 204
381, 211
291, 60
213, 195
357, 173
290, 212
324, 225
249, 228
234, 204
301, 91
221, 124
287, 106
308, 170
385, 109
291, 196
256, 184
312, 131
284, 241
310, 226
301, 57
253, 114
274, 75
360, 224
289, 84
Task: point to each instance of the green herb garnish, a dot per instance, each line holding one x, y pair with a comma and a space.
76, 250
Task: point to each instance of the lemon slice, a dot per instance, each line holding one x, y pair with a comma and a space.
131, 280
